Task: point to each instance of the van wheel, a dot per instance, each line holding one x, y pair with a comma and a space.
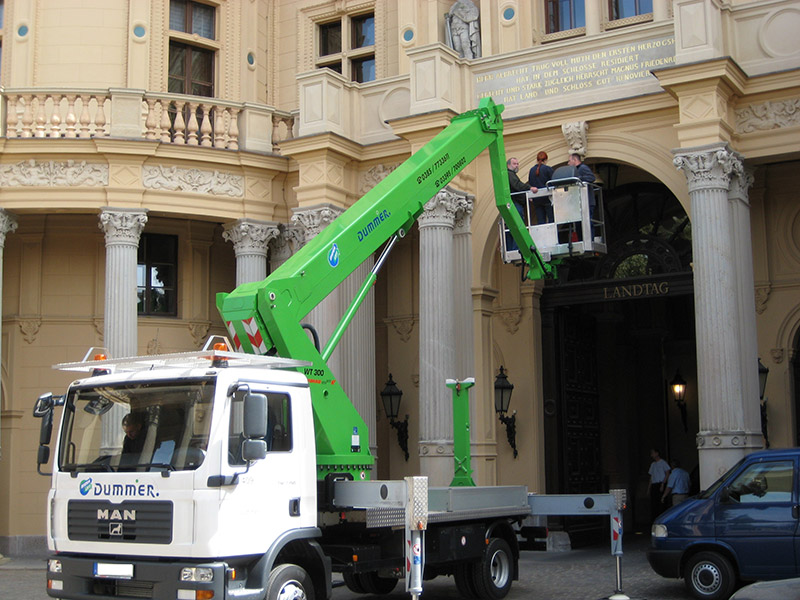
289, 582
709, 576
493, 573
373, 584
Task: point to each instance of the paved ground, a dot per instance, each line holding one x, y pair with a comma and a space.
584, 574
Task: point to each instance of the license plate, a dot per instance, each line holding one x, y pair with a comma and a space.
113, 570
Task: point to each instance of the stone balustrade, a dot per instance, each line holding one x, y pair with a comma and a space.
128, 113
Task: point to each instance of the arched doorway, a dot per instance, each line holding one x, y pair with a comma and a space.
615, 328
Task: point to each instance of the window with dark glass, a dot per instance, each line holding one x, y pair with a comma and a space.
622, 9
157, 275
191, 70
192, 17
347, 46
562, 15
279, 427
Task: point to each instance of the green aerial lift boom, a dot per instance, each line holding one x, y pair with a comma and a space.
266, 316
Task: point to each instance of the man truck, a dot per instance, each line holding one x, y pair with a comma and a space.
243, 470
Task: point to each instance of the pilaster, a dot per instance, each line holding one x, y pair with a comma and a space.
437, 342
8, 224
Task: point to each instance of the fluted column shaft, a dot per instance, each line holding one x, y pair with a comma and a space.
437, 343
724, 310
122, 228
8, 224
462, 286
250, 241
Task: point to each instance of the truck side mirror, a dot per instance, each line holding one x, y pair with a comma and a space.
43, 409
255, 416
254, 450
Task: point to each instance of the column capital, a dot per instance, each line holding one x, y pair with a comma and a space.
709, 167
249, 236
314, 219
465, 206
440, 210
8, 224
122, 226
740, 185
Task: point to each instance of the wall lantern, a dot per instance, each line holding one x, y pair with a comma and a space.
502, 398
678, 385
391, 396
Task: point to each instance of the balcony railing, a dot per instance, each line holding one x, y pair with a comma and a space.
126, 113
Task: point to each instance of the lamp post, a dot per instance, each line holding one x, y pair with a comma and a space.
391, 396
502, 398
762, 387
678, 385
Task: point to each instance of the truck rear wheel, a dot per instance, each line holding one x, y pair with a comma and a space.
493, 573
289, 582
374, 584
709, 576
463, 577
353, 583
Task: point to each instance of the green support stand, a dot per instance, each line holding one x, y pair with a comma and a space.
462, 476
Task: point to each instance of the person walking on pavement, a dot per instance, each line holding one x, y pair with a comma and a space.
677, 484
659, 473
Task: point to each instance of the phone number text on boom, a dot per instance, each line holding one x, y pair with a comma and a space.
450, 173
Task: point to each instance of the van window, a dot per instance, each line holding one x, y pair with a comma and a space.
764, 482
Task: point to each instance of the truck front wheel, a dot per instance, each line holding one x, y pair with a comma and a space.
289, 582
493, 573
709, 576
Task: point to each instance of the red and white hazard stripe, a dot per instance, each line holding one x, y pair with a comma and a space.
254, 335
237, 345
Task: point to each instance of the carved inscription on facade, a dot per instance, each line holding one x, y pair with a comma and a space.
588, 72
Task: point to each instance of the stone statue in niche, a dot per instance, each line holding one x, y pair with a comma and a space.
463, 29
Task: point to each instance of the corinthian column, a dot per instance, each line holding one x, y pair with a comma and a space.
326, 315
437, 343
250, 240
122, 228
462, 285
724, 308
8, 224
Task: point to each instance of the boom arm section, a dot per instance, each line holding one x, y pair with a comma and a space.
267, 314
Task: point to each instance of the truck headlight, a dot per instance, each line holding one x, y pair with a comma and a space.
659, 530
198, 574
54, 566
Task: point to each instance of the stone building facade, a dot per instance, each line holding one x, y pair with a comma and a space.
154, 152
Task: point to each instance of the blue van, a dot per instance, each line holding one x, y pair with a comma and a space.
744, 527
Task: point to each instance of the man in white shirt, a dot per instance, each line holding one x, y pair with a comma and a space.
659, 473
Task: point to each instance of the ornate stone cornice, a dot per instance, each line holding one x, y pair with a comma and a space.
440, 210
8, 224
768, 115
216, 183
709, 168
122, 226
53, 173
576, 134
250, 237
313, 220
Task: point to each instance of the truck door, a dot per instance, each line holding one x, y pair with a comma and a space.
755, 515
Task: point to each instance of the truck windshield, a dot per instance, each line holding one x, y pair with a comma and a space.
144, 426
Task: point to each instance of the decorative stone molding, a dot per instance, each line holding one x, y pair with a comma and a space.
403, 326
440, 210
762, 296
216, 183
434, 449
728, 439
288, 240
250, 237
768, 115
465, 204
415, 380
30, 328
8, 224
99, 327
777, 355
52, 173
199, 331
576, 135
373, 176
122, 226
511, 318
153, 347
740, 183
315, 219
709, 168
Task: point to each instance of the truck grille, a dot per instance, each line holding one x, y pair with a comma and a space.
128, 589
129, 521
